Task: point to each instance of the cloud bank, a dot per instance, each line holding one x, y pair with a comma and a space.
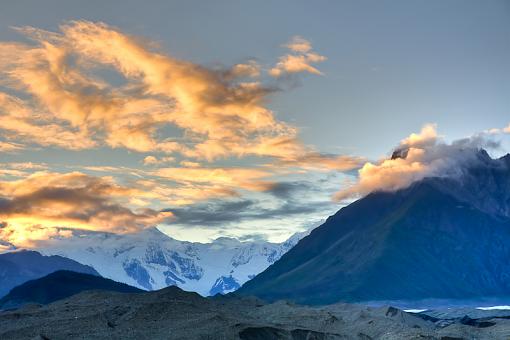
201, 133
66, 103
46, 204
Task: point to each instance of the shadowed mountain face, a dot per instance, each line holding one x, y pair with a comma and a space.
21, 266
59, 285
444, 238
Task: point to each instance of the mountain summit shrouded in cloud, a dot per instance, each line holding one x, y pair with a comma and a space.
418, 156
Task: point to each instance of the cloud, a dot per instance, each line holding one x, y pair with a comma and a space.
250, 69
20, 169
418, 156
218, 111
151, 160
211, 213
318, 161
27, 165
6, 246
299, 60
40, 205
286, 207
184, 193
188, 164
287, 190
299, 45
498, 131
225, 214
57, 72
9, 147
229, 178
66, 103
26, 124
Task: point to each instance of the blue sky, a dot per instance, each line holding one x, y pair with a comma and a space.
386, 69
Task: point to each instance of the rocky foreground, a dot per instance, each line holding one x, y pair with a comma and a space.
174, 314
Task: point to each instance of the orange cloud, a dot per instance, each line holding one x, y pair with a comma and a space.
188, 164
220, 114
184, 192
20, 169
44, 203
151, 160
299, 61
23, 123
250, 69
8, 147
231, 178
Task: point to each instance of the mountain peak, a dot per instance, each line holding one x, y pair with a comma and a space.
483, 154
153, 232
484, 184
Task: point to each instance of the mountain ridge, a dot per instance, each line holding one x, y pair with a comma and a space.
23, 265
59, 285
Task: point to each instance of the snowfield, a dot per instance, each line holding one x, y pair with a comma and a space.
152, 260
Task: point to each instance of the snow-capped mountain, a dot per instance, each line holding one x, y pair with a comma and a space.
152, 260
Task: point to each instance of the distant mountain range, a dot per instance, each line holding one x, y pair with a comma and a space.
21, 266
152, 260
440, 238
59, 285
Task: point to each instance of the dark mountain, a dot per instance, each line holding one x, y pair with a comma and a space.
59, 285
21, 266
444, 238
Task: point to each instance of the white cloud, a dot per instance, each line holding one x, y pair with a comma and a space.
416, 157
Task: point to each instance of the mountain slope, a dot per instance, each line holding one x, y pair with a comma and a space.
21, 266
59, 285
151, 260
435, 239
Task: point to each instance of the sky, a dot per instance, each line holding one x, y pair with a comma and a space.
243, 119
